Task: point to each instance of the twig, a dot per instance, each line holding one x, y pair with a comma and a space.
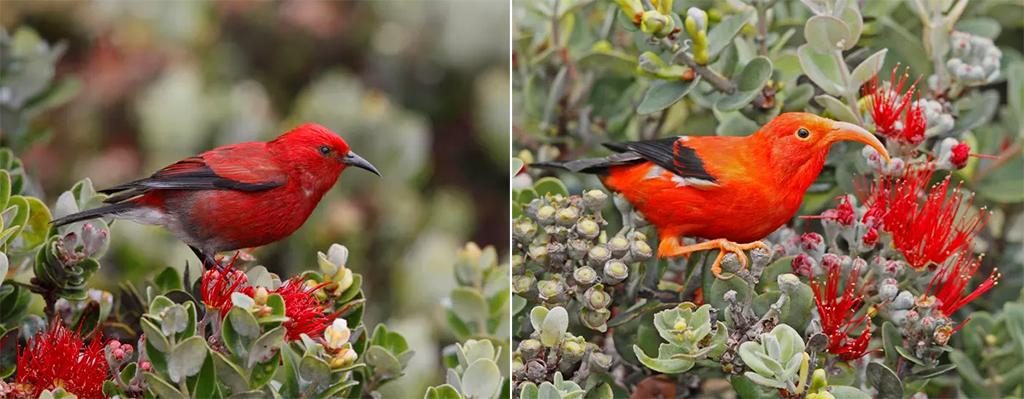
717, 81
1006, 155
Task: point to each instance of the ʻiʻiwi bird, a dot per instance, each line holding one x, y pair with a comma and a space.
235, 196
731, 191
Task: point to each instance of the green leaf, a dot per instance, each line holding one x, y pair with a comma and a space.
469, 304
481, 379
187, 358
243, 322
442, 392
749, 83
263, 372
266, 346
153, 334
891, 337
206, 383
909, 356
314, 370
555, 324
384, 364
229, 373
537, 315
720, 35
854, 21
161, 388
174, 321
836, 109
822, 70
550, 185
168, 280
845, 392
867, 69
826, 34
662, 364
885, 381
663, 93
5, 189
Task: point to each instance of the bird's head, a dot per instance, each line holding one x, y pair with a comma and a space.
317, 149
799, 141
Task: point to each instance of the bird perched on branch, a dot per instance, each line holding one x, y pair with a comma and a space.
729, 190
235, 196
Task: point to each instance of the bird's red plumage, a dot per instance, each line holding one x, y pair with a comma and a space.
759, 181
280, 183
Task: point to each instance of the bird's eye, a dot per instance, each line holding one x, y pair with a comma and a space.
325, 149
803, 133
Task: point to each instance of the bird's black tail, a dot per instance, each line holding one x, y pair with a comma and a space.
94, 213
598, 166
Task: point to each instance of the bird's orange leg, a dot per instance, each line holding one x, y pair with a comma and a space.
671, 248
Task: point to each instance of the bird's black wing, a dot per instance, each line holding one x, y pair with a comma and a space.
670, 153
188, 174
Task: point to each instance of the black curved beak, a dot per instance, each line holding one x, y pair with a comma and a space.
353, 159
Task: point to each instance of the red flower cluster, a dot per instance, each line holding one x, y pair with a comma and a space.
306, 313
948, 285
928, 231
888, 105
217, 286
838, 315
58, 358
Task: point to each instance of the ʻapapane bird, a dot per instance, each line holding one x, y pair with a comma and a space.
729, 190
235, 196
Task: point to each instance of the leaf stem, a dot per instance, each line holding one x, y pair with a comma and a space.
844, 73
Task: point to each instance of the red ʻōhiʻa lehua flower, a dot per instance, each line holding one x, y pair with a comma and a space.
838, 313
58, 358
726, 189
305, 312
236, 196
887, 105
925, 231
950, 283
218, 285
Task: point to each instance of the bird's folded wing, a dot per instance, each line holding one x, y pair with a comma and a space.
242, 167
670, 153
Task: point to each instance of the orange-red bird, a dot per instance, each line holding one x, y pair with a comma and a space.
235, 196
729, 190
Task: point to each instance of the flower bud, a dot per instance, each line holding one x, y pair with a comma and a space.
598, 255
584, 275
345, 357
567, 216
860, 265
545, 215
903, 300
696, 21
888, 289
653, 22
145, 365
812, 243
260, 295
577, 248
600, 360
536, 370
830, 261
539, 253
572, 350
618, 245
594, 199
337, 334
556, 253
870, 238
942, 334
803, 265
523, 283
588, 228
595, 319
788, 283
615, 271
529, 348
524, 229
640, 250
550, 289
960, 153
596, 298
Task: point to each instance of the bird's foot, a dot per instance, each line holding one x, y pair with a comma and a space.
671, 248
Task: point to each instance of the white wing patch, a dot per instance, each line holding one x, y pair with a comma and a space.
657, 172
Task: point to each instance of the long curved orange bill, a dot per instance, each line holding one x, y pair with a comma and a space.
845, 131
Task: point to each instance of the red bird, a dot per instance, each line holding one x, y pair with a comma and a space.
729, 190
235, 196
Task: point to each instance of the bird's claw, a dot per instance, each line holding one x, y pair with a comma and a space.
670, 247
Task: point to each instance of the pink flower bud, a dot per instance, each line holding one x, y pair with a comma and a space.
870, 238
803, 265
961, 152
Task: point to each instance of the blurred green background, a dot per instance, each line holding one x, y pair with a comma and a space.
418, 88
